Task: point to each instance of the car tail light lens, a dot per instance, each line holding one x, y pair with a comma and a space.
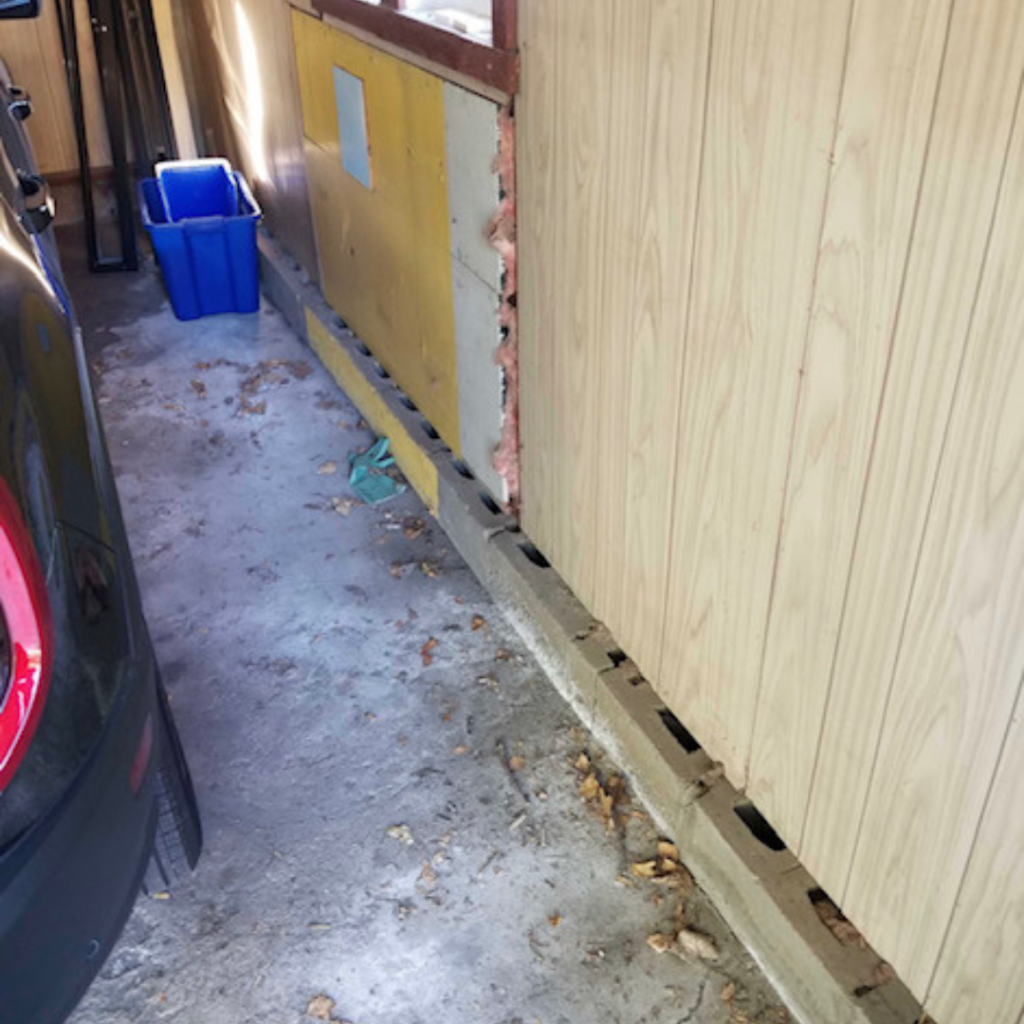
26, 638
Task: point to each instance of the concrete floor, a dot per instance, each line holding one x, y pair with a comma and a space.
365, 839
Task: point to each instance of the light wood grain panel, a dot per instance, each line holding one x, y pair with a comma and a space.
249, 98
538, 200
174, 76
27, 45
627, 240
979, 977
613, 148
774, 85
962, 653
655, 170
896, 847
32, 50
892, 72
582, 148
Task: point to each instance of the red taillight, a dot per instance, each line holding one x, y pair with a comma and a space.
29, 630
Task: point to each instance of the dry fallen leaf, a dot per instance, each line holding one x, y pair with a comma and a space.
396, 569
729, 993
428, 874
343, 506
695, 946
414, 526
660, 942
320, 1007
502, 654
426, 652
402, 833
590, 788
252, 408
479, 622
430, 569
298, 369
583, 763
644, 869
516, 763
327, 468
555, 920
667, 850
199, 388
461, 749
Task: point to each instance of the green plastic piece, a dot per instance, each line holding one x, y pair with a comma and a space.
368, 478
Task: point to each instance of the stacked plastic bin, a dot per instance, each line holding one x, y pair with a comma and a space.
202, 220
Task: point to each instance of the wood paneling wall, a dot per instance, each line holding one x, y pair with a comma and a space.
773, 426
32, 51
239, 59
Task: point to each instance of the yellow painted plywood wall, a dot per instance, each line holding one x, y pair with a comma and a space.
385, 250
773, 428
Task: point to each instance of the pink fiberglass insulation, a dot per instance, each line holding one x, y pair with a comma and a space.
502, 235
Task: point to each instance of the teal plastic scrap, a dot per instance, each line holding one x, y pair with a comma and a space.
368, 477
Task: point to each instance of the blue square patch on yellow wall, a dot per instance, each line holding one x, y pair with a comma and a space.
351, 105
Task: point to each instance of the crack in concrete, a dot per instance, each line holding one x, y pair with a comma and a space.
698, 1002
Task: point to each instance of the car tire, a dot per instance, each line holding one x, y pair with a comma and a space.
179, 838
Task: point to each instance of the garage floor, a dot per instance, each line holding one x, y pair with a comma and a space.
390, 823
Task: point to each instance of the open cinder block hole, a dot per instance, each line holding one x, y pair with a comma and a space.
616, 656
462, 469
363, 349
534, 555
825, 905
342, 325
757, 825
428, 428
679, 732
490, 504
380, 371
408, 402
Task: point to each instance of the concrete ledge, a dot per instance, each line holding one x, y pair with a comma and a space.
762, 893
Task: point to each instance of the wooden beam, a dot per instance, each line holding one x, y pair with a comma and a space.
494, 67
504, 24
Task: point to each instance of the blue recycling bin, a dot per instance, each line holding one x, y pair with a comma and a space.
201, 218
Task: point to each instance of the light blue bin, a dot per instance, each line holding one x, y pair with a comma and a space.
201, 218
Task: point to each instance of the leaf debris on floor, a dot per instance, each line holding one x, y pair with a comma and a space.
427, 651
321, 1007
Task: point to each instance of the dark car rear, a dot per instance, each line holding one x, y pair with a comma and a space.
91, 771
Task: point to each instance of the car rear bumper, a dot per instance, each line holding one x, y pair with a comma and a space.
68, 885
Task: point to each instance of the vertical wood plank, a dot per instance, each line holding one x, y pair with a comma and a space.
979, 977
538, 200
897, 846
653, 193
32, 51
774, 85
892, 71
505, 23
586, 58
962, 653
625, 159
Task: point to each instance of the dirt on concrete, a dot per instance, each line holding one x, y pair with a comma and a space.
399, 827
